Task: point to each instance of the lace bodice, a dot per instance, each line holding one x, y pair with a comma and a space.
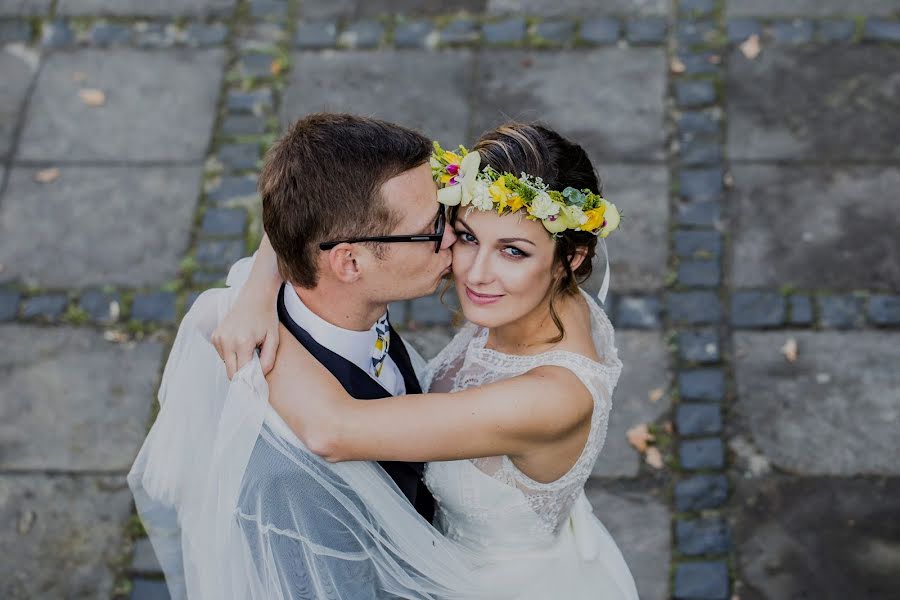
464, 363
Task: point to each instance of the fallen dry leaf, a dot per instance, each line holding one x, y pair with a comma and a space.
276, 67
639, 436
79, 76
654, 457
790, 350
2, 267
655, 394
92, 97
46, 175
750, 47
26, 521
668, 428
115, 336
676, 66
114, 310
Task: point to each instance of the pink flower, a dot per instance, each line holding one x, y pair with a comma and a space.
453, 180
453, 169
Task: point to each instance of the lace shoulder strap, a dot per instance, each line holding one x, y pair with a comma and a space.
449, 355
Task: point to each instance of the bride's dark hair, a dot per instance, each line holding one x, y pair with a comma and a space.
541, 152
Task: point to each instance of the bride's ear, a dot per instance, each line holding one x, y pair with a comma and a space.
342, 263
578, 258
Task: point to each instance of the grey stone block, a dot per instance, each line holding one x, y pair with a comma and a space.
646, 30
698, 346
801, 310
243, 125
757, 309
64, 388
413, 34
695, 307
25, 8
776, 110
700, 214
56, 34
268, 9
48, 307
400, 88
700, 185
696, 7
702, 536
142, 215
460, 31
430, 310
315, 36
704, 244
255, 65
205, 34
739, 30
149, 589
239, 157
836, 31
376, 8
233, 190
884, 310
525, 85
702, 581
645, 368
699, 273
63, 532
157, 8
638, 312
700, 63
840, 312
428, 341
144, 561
362, 34
191, 298
695, 123
109, 34
832, 412
698, 419
15, 31
100, 306
9, 304
172, 116
219, 253
881, 30
259, 36
257, 102
701, 384
507, 31
209, 279
155, 35
694, 94
701, 153
798, 31
328, 9
706, 453
692, 33
555, 32
156, 307
701, 492
224, 222
812, 8
587, 8
602, 31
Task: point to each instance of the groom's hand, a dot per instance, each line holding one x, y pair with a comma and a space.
250, 324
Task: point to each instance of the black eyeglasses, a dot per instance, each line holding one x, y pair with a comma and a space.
436, 237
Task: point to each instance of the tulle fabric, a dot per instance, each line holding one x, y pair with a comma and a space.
237, 508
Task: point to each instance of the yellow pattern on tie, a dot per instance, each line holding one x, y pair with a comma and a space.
382, 344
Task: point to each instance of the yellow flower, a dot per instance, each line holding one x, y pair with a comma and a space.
515, 203
595, 218
452, 158
499, 194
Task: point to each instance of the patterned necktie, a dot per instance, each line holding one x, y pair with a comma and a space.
382, 343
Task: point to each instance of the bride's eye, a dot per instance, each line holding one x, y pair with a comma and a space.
514, 252
466, 237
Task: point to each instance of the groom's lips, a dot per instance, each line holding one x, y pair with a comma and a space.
481, 299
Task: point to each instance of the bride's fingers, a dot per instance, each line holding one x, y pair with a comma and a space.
267, 351
230, 364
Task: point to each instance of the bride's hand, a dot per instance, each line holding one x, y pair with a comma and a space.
250, 324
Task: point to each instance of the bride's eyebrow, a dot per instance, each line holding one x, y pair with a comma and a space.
501, 240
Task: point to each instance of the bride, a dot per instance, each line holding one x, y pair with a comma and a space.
516, 408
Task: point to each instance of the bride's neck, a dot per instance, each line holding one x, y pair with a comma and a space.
529, 334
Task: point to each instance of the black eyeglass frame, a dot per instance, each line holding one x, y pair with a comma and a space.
437, 237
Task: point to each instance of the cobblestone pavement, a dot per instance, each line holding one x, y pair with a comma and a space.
753, 145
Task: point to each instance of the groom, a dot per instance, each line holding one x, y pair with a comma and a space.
350, 210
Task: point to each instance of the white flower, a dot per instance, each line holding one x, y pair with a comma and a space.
573, 216
462, 191
481, 196
543, 206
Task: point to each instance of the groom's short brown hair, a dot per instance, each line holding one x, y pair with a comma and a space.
322, 181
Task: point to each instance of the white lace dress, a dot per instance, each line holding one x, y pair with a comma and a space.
540, 538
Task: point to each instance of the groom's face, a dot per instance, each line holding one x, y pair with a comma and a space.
411, 270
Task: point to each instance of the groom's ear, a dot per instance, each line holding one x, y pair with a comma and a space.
342, 262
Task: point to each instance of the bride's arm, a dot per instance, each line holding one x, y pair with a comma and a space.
507, 417
253, 319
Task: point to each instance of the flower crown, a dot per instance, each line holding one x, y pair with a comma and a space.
461, 183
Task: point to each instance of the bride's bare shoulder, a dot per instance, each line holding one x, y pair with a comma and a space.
575, 315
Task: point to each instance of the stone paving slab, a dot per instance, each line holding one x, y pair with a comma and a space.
73, 401
398, 86
811, 8
97, 225
814, 103
638, 256
18, 66
156, 8
25, 8
645, 368
579, 7
829, 539
639, 522
835, 411
614, 110
60, 535
160, 106
816, 227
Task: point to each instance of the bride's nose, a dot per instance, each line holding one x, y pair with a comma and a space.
480, 271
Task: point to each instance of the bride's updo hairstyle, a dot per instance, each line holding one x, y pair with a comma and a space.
540, 152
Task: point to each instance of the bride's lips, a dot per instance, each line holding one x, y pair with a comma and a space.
482, 299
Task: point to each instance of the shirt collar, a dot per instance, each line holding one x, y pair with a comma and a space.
355, 346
